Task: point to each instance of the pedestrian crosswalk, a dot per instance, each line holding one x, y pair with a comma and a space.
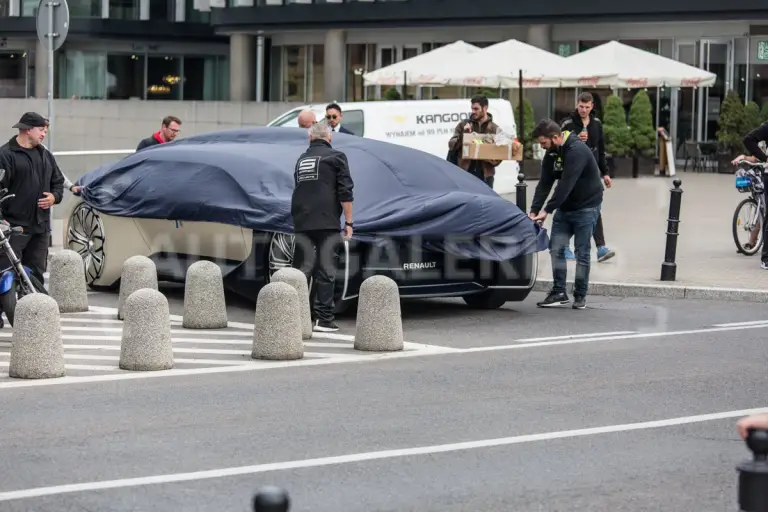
92, 340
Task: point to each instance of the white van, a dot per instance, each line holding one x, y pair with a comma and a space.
425, 125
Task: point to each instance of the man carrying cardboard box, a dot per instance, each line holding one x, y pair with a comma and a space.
480, 122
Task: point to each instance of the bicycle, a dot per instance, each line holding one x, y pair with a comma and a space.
749, 179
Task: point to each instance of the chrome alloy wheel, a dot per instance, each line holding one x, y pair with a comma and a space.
281, 249
85, 235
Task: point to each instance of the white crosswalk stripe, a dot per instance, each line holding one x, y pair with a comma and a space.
91, 342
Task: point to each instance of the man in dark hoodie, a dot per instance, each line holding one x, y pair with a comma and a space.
583, 122
169, 130
577, 199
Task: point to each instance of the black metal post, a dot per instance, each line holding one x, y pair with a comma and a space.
521, 190
521, 115
271, 499
753, 474
669, 267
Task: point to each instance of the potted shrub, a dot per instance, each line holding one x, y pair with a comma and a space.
617, 138
764, 113
752, 117
730, 132
643, 134
531, 167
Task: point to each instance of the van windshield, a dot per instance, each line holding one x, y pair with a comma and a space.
288, 120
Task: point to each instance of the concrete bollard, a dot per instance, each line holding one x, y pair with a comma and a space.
298, 280
205, 306
379, 321
37, 351
277, 328
146, 343
67, 282
138, 272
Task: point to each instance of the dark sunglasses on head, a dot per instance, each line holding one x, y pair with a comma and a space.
331, 116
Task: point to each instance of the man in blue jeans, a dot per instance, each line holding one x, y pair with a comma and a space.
577, 199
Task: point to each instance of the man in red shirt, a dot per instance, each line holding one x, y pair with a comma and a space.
167, 133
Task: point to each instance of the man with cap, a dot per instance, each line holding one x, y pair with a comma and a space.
31, 173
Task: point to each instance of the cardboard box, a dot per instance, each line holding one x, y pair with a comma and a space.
480, 146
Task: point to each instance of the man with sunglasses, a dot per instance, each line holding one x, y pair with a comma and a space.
333, 118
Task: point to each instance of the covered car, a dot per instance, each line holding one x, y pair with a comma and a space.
226, 197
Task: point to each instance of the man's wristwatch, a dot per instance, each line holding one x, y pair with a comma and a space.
348, 224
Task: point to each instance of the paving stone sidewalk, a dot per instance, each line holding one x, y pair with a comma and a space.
635, 215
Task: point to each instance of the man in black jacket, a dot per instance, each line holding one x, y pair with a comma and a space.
169, 130
583, 122
752, 142
323, 191
31, 173
577, 199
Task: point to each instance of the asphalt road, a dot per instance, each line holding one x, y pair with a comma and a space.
492, 421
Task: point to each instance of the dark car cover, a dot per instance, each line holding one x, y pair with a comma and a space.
244, 177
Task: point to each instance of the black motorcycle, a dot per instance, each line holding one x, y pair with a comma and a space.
17, 280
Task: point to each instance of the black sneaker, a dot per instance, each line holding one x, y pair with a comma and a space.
325, 326
554, 299
579, 303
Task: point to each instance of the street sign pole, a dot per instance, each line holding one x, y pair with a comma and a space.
52, 30
51, 35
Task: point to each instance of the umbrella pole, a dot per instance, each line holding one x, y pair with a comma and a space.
520, 130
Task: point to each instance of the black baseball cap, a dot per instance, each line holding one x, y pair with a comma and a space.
30, 120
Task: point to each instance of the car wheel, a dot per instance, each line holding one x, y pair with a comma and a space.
85, 235
280, 255
488, 299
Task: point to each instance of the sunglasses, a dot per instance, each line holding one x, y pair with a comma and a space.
331, 116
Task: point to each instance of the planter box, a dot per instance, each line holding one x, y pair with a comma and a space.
724, 165
619, 167
531, 169
643, 166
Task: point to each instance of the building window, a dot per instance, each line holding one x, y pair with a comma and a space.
162, 10
194, 15
206, 78
356, 67
124, 9
294, 73
77, 8
13, 74
163, 78
82, 75
125, 77
5, 8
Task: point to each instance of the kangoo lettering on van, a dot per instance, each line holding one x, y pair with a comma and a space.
441, 118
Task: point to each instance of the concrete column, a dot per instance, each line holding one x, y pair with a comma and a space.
260, 68
540, 36
41, 71
334, 65
241, 67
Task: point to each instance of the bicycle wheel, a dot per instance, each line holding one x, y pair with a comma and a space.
742, 217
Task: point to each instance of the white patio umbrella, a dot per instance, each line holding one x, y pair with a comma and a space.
501, 66
412, 70
615, 64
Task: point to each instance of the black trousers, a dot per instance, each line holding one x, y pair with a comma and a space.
764, 252
32, 250
316, 254
599, 234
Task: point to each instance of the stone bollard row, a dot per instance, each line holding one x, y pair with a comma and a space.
277, 327
146, 343
138, 272
37, 351
379, 318
66, 282
205, 305
298, 281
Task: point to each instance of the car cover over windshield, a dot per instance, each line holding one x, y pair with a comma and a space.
244, 177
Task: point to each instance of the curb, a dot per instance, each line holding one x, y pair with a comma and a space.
662, 291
